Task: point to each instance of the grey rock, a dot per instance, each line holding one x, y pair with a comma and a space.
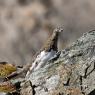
72, 73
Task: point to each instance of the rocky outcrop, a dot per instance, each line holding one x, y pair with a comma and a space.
70, 72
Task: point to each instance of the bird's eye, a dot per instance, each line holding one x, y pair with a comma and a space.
38, 56
36, 63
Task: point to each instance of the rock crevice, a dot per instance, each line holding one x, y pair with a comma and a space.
70, 72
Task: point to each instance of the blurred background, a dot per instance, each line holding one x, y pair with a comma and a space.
25, 25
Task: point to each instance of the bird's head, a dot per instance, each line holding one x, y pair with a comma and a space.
57, 31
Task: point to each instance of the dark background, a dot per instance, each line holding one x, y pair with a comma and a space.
25, 25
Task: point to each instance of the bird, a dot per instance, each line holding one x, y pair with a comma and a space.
47, 51
6, 69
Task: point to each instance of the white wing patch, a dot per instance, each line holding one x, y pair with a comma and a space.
41, 60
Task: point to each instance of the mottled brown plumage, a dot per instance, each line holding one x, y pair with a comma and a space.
52, 41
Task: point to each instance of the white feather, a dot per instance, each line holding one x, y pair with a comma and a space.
41, 60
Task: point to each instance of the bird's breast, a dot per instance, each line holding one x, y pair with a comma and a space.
48, 55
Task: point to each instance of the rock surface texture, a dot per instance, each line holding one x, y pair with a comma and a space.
70, 72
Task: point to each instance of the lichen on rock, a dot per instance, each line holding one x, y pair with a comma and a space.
72, 73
